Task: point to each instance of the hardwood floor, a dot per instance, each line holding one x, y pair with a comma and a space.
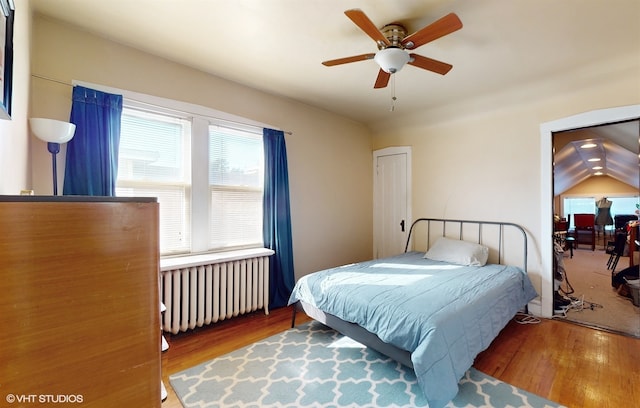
573, 365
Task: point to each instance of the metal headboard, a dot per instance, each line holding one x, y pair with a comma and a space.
443, 223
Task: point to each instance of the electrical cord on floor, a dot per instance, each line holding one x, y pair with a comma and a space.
524, 318
578, 305
569, 289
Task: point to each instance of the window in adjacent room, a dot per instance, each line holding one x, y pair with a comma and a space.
620, 205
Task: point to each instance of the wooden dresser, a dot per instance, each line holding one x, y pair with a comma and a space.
79, 302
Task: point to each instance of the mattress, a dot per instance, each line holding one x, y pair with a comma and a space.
443, 314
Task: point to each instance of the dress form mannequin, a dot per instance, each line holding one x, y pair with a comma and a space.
603, 216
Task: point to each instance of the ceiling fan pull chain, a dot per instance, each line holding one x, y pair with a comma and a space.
393, 93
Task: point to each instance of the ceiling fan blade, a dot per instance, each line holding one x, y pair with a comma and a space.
429, 64
361, 20
382, 80
446, 25
347, 60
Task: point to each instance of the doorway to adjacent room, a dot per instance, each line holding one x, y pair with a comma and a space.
592, 165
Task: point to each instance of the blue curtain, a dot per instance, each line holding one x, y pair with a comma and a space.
277, 218
92, 155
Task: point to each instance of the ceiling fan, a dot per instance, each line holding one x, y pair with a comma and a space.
393, 43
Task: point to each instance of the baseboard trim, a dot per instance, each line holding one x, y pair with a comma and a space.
535, 307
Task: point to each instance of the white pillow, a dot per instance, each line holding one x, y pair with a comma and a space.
458, 252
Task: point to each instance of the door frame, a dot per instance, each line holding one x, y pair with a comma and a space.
389, 151
586, 119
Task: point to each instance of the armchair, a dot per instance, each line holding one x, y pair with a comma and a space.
585, 231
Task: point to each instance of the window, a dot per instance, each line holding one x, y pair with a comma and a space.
236, 168
623, 205
169, 156
620, 205
578, 205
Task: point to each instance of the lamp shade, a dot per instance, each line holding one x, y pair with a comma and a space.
51, 130
391, 59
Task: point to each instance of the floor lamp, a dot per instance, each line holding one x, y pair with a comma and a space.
54, 132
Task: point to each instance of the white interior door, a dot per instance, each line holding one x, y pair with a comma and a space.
391, 201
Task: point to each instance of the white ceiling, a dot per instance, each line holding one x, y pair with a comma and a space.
278, 45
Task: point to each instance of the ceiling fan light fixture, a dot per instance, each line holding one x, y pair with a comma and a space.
392, 59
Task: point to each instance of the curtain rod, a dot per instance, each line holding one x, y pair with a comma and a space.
158, 106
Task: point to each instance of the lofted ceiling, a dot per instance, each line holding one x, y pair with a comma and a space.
277, 46
614, 153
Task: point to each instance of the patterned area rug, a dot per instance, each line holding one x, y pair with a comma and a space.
314, 366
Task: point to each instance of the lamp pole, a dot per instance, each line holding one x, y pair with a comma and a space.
54, 149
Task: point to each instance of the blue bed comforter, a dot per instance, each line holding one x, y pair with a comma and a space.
443, 314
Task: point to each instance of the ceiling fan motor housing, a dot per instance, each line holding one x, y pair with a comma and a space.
394, 33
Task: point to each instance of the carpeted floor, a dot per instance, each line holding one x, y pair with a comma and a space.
314, 366
602, 307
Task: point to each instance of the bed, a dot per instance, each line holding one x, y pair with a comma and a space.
433, 310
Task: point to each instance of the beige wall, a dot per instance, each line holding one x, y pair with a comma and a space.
481, 159
329, 156
601, 186
14, 138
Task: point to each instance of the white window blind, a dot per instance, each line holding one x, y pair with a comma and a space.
154, 161
236, 172
210, 201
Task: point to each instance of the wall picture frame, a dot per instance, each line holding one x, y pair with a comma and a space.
7, 10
